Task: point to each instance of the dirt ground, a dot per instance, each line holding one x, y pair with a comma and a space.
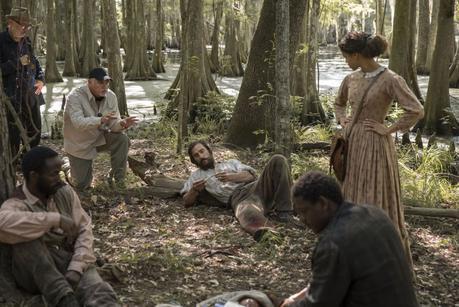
156, 251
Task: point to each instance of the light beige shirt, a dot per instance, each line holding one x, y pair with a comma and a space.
18, 224
83, 131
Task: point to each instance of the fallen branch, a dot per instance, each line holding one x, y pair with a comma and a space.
312, 146
433, 212
159, 185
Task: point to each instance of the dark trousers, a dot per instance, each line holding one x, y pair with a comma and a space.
40, 269
270, 192
271, 189
30, 117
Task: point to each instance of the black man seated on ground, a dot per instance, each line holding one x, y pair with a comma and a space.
51, 237
92, 123
359, 259
235, 185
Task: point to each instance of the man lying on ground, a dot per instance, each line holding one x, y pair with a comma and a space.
235, 185
359, 259
51, 237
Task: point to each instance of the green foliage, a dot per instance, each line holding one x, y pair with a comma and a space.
312, 134
211, 113
422, 180
305, 162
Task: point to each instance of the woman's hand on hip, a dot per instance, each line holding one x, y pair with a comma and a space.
372, 125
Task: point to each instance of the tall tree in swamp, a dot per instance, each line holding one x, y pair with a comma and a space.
112, 44
60, 24
312, 111
231, 64
253, 117
403, 46
283, 133
158, 57
8, 290
195, 60
88, 57
438, 116
423, 37
432, 34
52, 74
138, 67
380, 16
192, 78
217, 8
69, 66
5, 8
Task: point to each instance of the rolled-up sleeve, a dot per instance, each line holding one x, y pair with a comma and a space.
17, 224
330, 277
83, 249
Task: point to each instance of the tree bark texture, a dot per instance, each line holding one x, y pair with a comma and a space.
218, 14
402, 50
112, 44
312, 111
138, 66
423, 37
195, 66
69, 66
283, 133
88, 55
252, 121
158, 66
454, 71
438, 115
432, 34
231, 64
51, 72
8, 288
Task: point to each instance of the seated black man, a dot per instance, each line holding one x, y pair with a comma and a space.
51, 237
359, 259
236, 185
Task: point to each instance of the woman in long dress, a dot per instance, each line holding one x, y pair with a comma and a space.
372, 175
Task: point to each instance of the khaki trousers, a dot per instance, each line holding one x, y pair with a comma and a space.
81, 169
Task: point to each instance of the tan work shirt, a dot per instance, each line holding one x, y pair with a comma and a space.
83, 130
19, 224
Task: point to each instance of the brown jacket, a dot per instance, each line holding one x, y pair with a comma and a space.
24, 218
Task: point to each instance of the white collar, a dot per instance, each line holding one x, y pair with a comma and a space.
373, 73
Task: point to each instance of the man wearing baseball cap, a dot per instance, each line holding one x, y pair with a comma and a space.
92, 123
23, 79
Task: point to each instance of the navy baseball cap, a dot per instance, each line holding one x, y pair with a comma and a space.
100, 74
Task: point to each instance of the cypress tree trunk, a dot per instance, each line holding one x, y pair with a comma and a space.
402, 51
313, 111
253, 116
218, 13
423, 37
88, 49
158, 58
51, 72
432, 34
283, 133
112, 44
231, 63
194, 59
8, 289
438, 116
138, 66
69, 66
454, 71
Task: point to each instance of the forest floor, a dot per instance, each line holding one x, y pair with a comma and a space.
156, 251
